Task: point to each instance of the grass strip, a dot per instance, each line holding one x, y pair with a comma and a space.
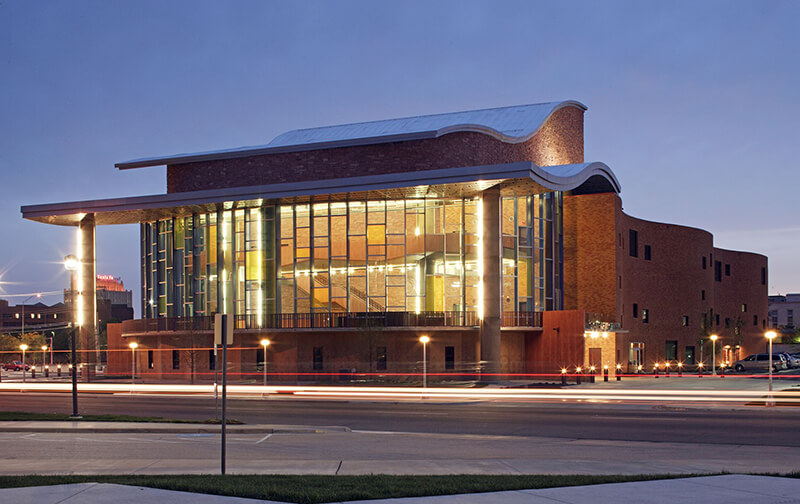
27, 416
320, 489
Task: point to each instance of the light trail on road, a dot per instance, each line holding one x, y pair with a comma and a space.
785, 397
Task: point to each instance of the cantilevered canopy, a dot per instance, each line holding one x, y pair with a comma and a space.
508, 124
513, 179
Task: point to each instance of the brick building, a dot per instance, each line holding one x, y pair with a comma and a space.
484, 230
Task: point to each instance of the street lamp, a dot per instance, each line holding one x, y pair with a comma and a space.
265, 343
133, 345
23, 347
424, 340
71, 263
770, 336
44, 353
37, 295
52, 337
714, 339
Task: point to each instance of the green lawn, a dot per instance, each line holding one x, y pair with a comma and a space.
318, 489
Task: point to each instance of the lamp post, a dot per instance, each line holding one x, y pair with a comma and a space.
71, 263
714, 339
265, 343
37, 295
52, 337
770, 335
23, 347
133, 346
424, 340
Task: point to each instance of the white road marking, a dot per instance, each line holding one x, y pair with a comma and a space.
264, 439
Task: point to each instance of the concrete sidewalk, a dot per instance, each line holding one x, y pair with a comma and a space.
730, 489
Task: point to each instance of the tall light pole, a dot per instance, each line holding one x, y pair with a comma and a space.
23, 347
37, 295
424, 340
714, 339
770, 336
265, 343
133, 346
52, 337
71, 263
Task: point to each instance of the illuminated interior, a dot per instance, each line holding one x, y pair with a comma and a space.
412, 255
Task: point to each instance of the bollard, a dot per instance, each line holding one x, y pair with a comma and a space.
58, 370
666, 369
563, 377
605, 373
33, 372
722, 371
700, 370
578, 374
71, 370
592, 373
47, 371
655, 370
619, 372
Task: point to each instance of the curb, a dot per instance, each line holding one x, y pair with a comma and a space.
165, 429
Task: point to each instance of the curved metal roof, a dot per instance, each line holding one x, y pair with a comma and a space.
508, 124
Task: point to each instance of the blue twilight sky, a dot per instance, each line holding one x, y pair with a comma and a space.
693, 104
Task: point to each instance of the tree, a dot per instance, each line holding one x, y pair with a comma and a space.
192, 353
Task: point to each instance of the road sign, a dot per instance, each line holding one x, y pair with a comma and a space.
223, 324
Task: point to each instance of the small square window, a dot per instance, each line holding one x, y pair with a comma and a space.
727, 322
703, 294
717, 318
647, 253
755, 320
704, 262
635, 310
727, 270
744, 307
645, 316
685, 321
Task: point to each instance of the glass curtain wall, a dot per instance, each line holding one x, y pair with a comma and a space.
414, 255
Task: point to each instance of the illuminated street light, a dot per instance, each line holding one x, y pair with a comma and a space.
713, 339
133, 346
22, 333
71, 263
424, 340
770, 335
265, 343
23, 347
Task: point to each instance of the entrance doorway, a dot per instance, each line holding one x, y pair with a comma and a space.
636, 358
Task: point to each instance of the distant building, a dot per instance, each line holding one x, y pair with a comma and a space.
784, 312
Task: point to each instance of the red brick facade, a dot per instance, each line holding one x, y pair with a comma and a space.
559, 141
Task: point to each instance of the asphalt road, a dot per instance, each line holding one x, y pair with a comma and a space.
756, 426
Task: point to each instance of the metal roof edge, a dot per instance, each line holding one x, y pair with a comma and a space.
241, 152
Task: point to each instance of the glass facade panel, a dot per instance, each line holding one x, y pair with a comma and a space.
411, 255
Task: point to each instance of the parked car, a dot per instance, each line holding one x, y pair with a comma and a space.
760, 362
15, 366
792, 360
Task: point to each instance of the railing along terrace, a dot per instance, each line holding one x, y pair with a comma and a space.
522, 319
599, 322
353, 320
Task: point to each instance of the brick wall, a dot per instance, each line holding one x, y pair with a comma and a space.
559, 141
